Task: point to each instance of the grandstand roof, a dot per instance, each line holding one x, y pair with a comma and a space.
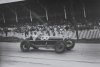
9, 1
19, 12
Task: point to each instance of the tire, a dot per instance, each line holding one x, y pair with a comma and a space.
69, 44
25, 46
59, 47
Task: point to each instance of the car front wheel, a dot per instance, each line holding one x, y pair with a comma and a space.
69, 44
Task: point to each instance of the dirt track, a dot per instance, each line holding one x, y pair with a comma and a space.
83, 55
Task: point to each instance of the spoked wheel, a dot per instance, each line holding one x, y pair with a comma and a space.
60, 47
25, 46
69, 44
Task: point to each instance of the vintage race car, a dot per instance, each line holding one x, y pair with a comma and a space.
60, 44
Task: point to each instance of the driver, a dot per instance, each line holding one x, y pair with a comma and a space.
37, 36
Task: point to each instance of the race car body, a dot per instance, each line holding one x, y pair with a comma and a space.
58, 43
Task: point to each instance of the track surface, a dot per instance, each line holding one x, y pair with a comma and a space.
83, 55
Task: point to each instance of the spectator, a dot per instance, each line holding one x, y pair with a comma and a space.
6, 31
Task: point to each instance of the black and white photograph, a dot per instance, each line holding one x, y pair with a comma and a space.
49, 33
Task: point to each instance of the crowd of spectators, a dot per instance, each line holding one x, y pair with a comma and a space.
54, 30
45, 29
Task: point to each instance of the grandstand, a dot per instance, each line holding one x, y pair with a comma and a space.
78, 16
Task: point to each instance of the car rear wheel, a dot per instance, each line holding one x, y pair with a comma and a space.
25, 46
59, 47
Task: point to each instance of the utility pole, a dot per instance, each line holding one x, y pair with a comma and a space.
16, 16
65, 13
3, 18
31, 16
46, 12
84, 10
